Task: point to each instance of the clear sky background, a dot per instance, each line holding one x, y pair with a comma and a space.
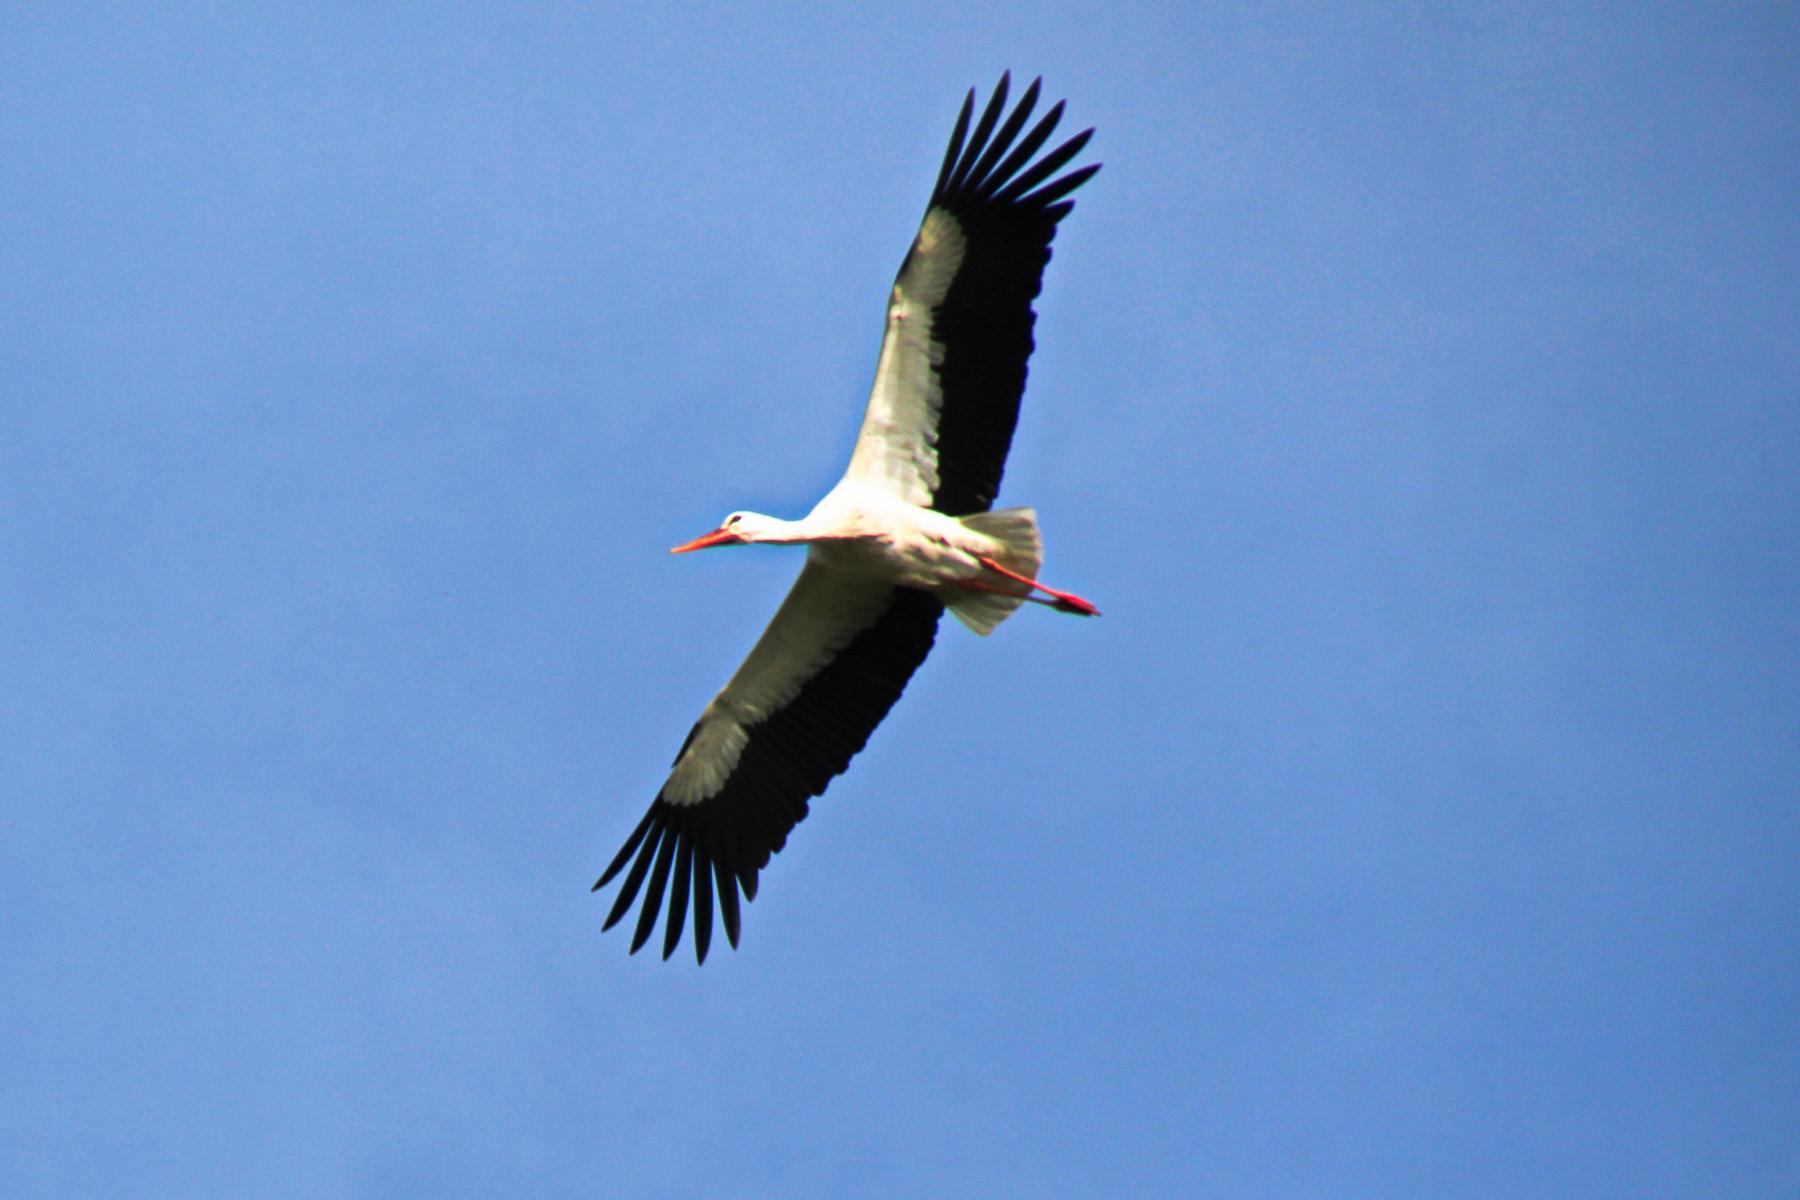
1418, 393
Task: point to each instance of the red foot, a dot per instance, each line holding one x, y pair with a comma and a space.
1064, 602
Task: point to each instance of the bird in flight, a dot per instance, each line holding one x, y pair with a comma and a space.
909, 531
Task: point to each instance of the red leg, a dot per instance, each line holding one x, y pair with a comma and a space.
1064, 601
973, 586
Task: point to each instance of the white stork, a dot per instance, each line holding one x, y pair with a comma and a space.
906, 533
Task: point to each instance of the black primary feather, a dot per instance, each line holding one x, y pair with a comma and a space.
1007, 209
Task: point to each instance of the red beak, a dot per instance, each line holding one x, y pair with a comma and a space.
718, 537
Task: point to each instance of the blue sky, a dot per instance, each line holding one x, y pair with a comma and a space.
1417, 394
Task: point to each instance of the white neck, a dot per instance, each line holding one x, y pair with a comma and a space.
755, 527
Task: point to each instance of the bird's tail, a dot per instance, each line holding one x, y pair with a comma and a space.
1021, 551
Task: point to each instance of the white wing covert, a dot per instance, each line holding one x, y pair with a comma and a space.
952, 367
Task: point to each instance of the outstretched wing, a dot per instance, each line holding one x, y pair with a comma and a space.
833, 661
952, 367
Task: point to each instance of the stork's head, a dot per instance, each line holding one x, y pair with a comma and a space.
735, 530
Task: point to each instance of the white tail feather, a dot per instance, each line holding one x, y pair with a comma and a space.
1021, 550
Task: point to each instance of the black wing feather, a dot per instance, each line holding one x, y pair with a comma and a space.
953, 151
790, 757
728, 905
983, 128
634, 880
703, 892
1046, 166
1034, 141
1007, 213
653, 894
